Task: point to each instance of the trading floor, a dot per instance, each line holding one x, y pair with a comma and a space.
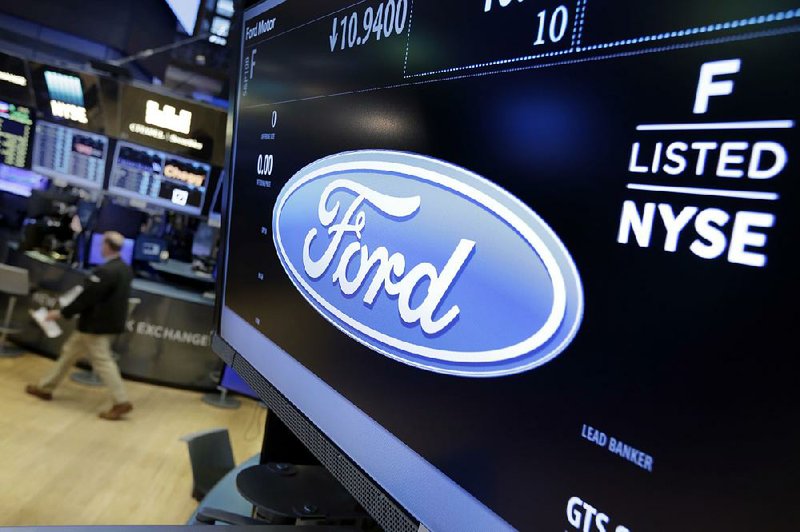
62, 465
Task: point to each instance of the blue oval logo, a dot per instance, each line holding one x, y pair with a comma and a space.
427, 263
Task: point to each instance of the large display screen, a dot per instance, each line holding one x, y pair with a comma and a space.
528, 264
173, 125
70, 155
69, 97
16, 124
158, 178
14, 80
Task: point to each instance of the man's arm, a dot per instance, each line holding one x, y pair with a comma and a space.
95, 288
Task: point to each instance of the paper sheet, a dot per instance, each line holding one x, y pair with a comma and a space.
50, 328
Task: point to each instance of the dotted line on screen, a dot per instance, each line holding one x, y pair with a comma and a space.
642, 51
752, 21
408, 38
577, 29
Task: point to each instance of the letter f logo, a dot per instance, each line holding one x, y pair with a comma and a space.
707, 87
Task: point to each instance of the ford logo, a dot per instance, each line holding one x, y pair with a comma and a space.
427, 263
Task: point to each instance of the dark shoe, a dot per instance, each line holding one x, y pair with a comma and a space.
117, 411
38, 392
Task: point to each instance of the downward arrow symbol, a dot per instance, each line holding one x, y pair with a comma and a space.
334, 35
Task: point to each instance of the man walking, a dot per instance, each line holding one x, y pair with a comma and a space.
103, 309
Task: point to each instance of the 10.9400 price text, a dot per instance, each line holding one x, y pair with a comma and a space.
358, 28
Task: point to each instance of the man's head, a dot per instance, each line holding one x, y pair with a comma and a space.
112, 244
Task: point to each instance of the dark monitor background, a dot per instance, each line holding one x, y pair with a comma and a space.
115, 217
49, 201
526, 265
40, 203
96, 255
13, 209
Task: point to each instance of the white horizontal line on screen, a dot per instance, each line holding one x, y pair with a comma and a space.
743, 194
756, 124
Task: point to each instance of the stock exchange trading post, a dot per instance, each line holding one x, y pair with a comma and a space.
157, 178
544, 246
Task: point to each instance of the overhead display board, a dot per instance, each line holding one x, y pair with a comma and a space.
172, 125
158, 178
16, 130
68, 97
15, 84
525, 264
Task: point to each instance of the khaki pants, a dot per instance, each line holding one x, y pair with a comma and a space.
98, 348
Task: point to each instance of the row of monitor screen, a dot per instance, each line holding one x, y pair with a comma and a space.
93, 102
79, 157
146, 248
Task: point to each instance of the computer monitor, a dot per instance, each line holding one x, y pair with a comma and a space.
70, 155
523, 265
149, 248
159, 179
96, 246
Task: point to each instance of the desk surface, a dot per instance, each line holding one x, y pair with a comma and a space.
152, 287
43, 257
168, 290
182, 269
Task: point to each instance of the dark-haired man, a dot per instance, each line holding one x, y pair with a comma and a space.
103, 309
